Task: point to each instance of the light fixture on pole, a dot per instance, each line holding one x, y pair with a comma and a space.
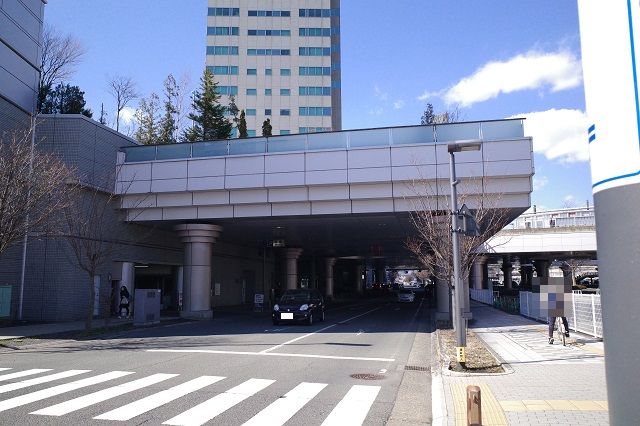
458, 315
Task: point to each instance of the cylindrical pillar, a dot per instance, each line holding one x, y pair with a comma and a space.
526, 274
507, 269
443, 297
542, 267
329, 262
292, 255
198, 240
360, 268
477, 272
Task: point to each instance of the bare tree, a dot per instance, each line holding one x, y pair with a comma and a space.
430, 117
60, 55
33, 188
431, 219
92, 221
123, 90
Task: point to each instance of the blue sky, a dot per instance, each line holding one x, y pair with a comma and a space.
492, 58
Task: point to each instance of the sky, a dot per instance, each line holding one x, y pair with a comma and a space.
491, 59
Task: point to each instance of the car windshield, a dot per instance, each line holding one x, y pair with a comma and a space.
296, 296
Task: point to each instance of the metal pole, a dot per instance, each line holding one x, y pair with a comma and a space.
26, 221
460, 329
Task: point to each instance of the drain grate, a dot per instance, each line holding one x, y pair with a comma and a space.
366, 376
416, 368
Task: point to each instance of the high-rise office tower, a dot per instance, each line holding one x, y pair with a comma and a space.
281, 60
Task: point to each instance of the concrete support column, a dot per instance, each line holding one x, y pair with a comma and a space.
360, 270
127, 277
329, 263
443, 298
526, 272
292, 255
198, 240
477, 272
507, 269
542, 267
485, 276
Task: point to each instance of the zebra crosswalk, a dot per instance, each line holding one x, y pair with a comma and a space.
351, 409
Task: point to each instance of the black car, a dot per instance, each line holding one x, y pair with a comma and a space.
299, 305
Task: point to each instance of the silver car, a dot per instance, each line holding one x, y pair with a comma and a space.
406, 296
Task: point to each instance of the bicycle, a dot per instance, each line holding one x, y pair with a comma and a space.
561, 331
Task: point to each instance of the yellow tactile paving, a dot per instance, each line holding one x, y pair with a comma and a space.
553, 405
492, 412
561, 405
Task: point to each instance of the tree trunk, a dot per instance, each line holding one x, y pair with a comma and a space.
92, 298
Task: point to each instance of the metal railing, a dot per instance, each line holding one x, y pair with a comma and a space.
484, 130
584, 313
481, 295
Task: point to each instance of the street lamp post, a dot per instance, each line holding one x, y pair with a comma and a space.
456, 229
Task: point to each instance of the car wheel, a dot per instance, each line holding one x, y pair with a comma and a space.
322, 317
310, 319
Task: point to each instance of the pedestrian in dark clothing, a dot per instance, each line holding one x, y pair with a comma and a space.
124, 301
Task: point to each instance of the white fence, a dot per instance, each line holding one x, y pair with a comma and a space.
584, 314
483, 296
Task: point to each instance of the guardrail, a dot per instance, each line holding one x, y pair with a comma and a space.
485, 130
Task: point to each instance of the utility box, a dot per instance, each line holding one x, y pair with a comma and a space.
146, 309
5, 301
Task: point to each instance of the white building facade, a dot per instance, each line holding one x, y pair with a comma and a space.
281, 61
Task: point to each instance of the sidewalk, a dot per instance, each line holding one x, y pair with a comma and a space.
544, 385
47, 329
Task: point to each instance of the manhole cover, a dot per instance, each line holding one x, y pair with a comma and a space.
365, 376
416, 368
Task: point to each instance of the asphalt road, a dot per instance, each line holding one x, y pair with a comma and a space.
228, 371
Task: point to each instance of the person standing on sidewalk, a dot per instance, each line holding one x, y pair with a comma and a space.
552, 323
124, 302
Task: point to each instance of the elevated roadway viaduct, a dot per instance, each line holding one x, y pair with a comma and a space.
336, 195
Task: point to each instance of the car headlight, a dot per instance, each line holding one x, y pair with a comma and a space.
304, 307
276, 308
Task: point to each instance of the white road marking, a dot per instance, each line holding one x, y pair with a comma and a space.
5, 368
209, 409
353, 408
57, 390
44, 379
285, 407
382, 371
273, 348
207, 351
360, 332
103, 395
156, 400
31, 372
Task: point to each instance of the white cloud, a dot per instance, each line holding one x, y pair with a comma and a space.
569, 199
539, 182
558, 134
376, 111
532, 70
127, 115
426, 95
399, 104
383, 96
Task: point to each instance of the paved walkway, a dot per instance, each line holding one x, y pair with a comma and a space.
546, 384
32, 330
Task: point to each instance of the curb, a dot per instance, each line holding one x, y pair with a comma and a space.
438, 402
444, 367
